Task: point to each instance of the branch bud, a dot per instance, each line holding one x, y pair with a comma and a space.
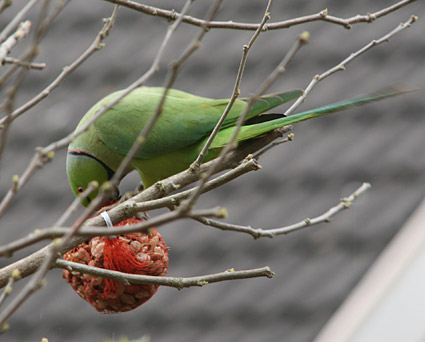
94, 184
16, 274
50, 155
107, 186
57, 242
4, 327
15, 181
304, 37
223, 213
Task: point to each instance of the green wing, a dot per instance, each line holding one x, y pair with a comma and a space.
185, 119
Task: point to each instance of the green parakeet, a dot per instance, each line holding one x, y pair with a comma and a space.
179, 134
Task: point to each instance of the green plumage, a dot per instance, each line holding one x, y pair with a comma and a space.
179, 134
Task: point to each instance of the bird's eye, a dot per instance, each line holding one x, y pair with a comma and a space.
80, 189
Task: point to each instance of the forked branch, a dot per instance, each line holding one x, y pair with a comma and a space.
257, 233
321, 16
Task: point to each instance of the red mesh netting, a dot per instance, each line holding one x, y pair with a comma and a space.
135, 253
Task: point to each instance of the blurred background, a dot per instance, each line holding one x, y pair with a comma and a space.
382, 143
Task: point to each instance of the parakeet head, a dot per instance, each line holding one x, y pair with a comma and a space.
83, 168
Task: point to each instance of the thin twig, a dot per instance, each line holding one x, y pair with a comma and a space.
32, 238
321, 16
91, 231
35, 66
9, 287
76, 204
289, 138
42, 24
22, 31
36, 163
94, 46
257, 233
341, 66
236, 90
37, 280
33, 50
302, 39
156, 221
177, 282
16, 20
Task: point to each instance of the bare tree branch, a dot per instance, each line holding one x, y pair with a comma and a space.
41, 156
22, 31
157, 196
35, 236
177, 282
42, 26
29, 264
321, 16
35, 66
289, 138
257, 233
94, 46
16, 20
9, 287
341, 66
43, 23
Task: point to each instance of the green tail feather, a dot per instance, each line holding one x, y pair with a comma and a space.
346, 104
255, 130
332, 108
